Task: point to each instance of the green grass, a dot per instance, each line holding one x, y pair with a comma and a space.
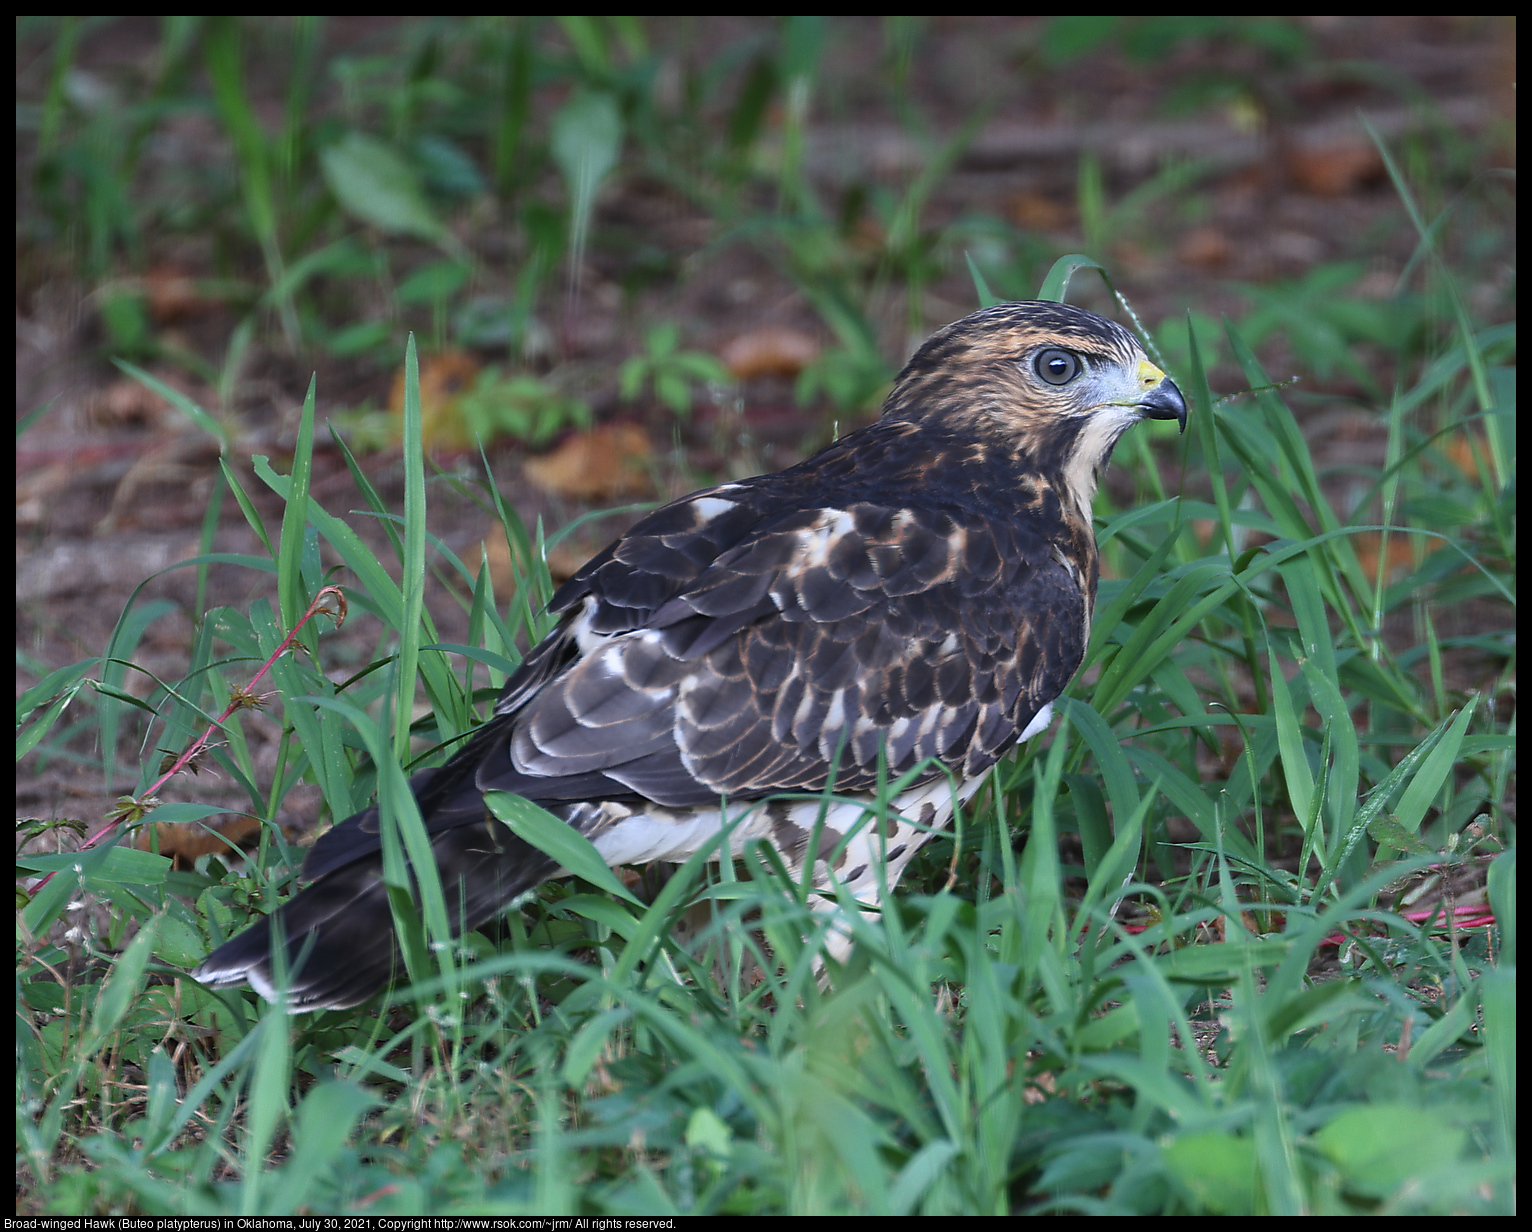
999, 1045
1113, 989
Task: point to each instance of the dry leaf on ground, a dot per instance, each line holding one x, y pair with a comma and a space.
610, 460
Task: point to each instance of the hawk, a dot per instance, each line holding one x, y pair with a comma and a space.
909, 601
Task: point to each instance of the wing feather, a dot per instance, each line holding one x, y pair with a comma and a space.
754, 639
827, 634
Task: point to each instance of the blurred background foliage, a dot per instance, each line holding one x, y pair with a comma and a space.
312, 187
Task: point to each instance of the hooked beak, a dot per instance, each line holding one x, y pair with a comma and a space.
1160, 399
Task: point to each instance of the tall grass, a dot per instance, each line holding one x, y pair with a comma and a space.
1002, 1040
1168, 962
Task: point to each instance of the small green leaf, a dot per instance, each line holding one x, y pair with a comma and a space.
1434, 771
588, 1042
1217, 1169
179, 943
663, 339
558, 839
631, 378
121, 986
375, 185
1387, 832
122, 865
1056, 284
585, 142
987, 298
321, 1127
1381, 1146
705, 1130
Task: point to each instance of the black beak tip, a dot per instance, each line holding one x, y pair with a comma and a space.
1165, 401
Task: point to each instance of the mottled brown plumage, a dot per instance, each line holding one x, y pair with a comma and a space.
909, 601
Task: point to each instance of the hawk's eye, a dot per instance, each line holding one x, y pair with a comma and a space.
1057, 366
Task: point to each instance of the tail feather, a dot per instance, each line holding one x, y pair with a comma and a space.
339, 932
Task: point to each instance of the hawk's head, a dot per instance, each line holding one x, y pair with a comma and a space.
1054, 384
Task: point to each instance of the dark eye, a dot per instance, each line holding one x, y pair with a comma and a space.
1056, 366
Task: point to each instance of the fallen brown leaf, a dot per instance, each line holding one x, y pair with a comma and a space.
608, 461
174, 295
1205, 246
184, 841
1460, 452
126, 404
1033, 211
1334, 170
565, 559
771, 350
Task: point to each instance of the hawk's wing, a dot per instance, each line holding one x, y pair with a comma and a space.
718, 651
823, 636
